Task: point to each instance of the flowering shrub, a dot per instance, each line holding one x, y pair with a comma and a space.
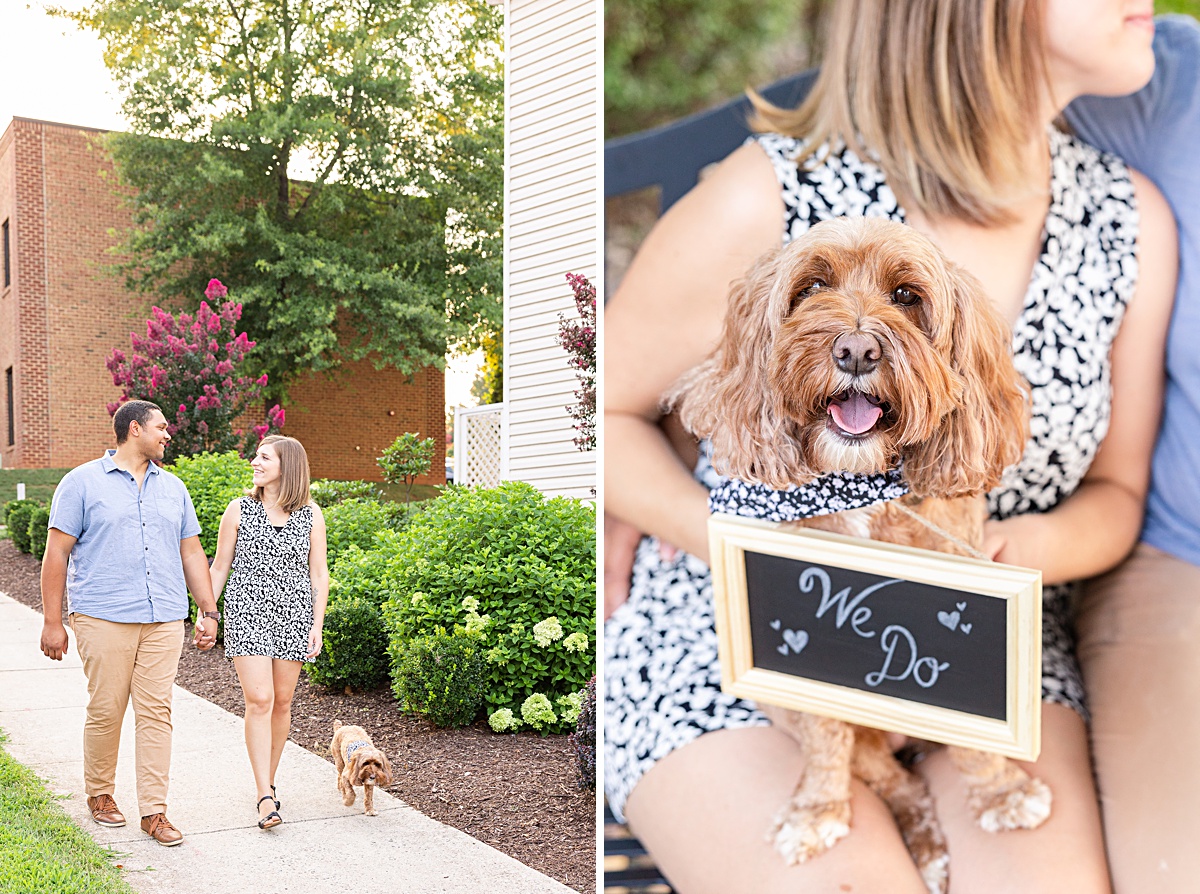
579, 340
188, 365
517, 571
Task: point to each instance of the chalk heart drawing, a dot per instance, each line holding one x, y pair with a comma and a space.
796, 639
776, 624
965, 628
949, 619
961, 606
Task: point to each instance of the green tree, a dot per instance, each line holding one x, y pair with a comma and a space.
656, 71
337, 163
406, 458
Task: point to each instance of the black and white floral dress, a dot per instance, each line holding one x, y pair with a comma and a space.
662, 679
268, 597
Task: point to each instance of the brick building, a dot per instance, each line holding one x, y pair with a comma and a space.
61, 315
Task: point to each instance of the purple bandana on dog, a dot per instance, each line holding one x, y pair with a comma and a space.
835, 492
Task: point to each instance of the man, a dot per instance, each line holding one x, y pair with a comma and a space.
1139, 625
124, 545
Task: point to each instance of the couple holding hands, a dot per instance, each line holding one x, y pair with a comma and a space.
124, 547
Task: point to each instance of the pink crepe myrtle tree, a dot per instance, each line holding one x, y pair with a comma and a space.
578, 337
188, 365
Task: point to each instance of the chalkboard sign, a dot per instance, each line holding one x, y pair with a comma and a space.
923, 643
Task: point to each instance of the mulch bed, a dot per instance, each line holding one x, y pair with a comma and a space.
515, 792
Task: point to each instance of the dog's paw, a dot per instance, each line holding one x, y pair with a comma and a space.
372, 812
936, 874
1024, 806
803, 832
348, 798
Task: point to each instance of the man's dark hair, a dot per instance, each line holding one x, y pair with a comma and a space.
132, 411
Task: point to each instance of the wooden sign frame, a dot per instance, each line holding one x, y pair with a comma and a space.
1018, 735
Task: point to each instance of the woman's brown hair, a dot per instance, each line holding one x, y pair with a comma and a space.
938, 92
293, 472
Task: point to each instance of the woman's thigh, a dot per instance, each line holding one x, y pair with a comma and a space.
1139, 647
705, 810
1065, 853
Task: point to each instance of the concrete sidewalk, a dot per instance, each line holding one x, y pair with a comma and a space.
322, 846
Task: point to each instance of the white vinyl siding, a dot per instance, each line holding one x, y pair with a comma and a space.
551, 229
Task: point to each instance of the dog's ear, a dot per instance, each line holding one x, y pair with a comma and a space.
730, 399
986, 432
386, 766
356, 766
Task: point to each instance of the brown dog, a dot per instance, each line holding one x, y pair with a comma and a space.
358, 762
855, 348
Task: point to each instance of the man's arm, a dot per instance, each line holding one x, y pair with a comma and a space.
54, 587
195, 573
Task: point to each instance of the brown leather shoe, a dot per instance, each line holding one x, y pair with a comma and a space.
104, 811
158, 827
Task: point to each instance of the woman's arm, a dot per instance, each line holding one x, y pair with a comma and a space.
226, 541
665, 319
318, 572
1094, 528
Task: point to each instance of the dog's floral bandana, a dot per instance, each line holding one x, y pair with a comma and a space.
835, 492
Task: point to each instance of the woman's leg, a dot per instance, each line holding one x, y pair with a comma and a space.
1066, 853
705, 810
1139, 630
284, 676
254, 673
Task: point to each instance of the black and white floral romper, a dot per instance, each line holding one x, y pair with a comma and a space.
662, 679
268, 598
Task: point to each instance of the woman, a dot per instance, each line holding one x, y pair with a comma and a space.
949, 104
274, 542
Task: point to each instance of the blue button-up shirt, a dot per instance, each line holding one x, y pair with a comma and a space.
125, 565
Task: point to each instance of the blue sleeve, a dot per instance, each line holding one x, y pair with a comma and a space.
1146, 128
191, 524
66, 507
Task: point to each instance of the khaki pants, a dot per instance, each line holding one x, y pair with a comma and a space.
1139, 647
122, 661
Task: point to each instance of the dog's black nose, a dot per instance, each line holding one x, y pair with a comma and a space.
856, 353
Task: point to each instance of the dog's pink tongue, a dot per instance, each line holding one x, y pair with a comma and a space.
856, 414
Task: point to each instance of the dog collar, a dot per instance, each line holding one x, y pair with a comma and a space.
835, 492
354, 746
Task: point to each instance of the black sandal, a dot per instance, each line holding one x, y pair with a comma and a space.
275, 798
272, 819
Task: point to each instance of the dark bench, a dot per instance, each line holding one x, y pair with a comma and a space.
672, 155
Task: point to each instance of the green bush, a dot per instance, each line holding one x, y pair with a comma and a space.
355, 523
39, 521
214, 480
440, 677
326, 492
515, 569
354, 651
17, 514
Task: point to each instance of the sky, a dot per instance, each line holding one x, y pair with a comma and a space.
53, 71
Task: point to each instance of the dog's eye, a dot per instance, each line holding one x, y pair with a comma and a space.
815, 286
906, 296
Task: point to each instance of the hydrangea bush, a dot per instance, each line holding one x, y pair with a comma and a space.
189, 365
517, 571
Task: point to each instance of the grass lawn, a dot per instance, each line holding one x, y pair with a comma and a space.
39, 483
41, 850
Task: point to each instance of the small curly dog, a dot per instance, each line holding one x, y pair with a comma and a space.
358, 762
857, 348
